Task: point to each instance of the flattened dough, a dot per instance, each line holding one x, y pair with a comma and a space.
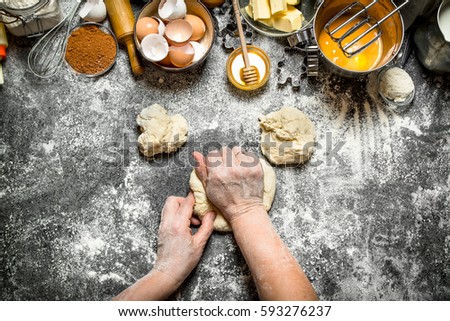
203, 205
161, 133
287, 136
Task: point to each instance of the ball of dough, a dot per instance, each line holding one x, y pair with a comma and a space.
203, 205
161, 133
287, 136
396, 84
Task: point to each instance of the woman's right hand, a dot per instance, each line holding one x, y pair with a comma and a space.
233, 180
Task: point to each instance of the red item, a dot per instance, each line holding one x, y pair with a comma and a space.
3, 52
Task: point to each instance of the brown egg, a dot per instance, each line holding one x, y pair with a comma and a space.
198, 26
181, 56
146, 26
178, 32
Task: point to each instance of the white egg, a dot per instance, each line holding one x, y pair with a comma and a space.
155, 47
94, 11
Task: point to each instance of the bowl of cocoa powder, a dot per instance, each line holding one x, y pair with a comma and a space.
91, 49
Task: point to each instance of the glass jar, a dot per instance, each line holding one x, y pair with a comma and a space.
432, 40
29, 17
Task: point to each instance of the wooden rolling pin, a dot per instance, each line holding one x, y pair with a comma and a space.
122, 20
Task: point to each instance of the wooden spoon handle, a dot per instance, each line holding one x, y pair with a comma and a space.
241, 33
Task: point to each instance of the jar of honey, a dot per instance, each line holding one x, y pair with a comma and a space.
258, 58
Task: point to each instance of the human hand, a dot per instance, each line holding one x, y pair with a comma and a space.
179, 250
233, 180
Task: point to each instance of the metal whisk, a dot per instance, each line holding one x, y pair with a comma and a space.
47, 54
367, 19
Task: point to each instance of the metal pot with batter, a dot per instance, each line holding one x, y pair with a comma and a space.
358, 37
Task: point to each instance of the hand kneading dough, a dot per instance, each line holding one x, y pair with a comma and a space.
287, 136
161, 133
203, 205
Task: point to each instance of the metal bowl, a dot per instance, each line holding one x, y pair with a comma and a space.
194, 7
105, 30
391, 36
305, 6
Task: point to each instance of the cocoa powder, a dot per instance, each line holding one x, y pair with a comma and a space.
90, 50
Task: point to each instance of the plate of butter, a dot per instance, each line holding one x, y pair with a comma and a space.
277, 18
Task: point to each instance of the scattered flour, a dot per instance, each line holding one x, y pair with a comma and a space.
103, 248
112, 276
48, 147
90, 246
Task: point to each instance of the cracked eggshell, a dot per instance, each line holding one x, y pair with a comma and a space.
199, 50
161, 26
146, 26
198, 26
172, 9
93, 11
166, 62
178, 32
155, 47
181, 56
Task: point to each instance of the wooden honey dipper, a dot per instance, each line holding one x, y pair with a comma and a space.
249, 74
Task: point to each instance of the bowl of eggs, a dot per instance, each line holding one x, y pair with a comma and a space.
175, 35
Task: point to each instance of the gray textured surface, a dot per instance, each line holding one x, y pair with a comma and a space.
80, 208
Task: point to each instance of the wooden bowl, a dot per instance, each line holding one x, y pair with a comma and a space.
194, 7
213, 3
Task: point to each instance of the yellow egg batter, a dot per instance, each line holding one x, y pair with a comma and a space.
365, 60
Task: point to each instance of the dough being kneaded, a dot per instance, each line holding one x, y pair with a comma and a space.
203, 205
287, 136
161, 133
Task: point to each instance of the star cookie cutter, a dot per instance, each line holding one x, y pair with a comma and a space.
291, 67
228, 34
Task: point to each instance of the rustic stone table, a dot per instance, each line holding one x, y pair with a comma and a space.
368, 217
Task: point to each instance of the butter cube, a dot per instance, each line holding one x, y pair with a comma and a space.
267, 22
288, 21
293, 2
261, 9
249, 10
277, 6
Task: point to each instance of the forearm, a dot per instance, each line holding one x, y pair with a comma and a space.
277, 274
155, 286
